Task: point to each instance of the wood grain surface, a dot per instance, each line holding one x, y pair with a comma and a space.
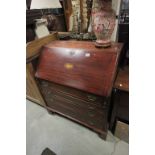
122, 79
32, 52
33, 48
80, 65
84, 108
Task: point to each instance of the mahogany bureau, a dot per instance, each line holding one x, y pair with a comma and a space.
76, 79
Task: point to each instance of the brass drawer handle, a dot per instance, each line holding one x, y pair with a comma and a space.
91, 98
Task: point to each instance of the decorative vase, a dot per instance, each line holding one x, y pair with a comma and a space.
103, 22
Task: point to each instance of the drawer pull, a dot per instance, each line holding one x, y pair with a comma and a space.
91, 98
91, 115
92, 108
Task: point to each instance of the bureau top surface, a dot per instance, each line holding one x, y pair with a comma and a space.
87, 45
80, 65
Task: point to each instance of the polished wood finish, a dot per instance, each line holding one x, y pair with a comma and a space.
87, 109
80, 65
122, 80
33, 51
120, 98
76, 79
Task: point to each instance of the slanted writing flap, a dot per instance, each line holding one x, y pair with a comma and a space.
80, 65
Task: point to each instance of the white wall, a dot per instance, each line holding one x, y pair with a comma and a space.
116, 7
43, 4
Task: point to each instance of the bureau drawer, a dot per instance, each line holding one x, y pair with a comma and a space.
65, 107
76, 105
49, 93
88, 98
87, 106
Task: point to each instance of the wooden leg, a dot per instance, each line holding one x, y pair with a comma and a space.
50, 112
114, 109
103, 135
47, 151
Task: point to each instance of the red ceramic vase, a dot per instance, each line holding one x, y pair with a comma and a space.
103, 22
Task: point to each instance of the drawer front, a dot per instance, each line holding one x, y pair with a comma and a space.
90, 99
72, 107
63, 106
74, 102
83, 111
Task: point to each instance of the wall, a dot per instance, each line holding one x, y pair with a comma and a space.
43, 4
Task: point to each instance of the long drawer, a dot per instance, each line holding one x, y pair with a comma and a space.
66, 107
85, 112
88, 98
78, 104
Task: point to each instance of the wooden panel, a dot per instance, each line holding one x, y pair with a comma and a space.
32, 91
80, 65
33, 48
120, 107
33, 51
122, 79
86, 112
63, 107
89, 105
74, 94
90, 114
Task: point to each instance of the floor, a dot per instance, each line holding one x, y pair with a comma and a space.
65, 137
